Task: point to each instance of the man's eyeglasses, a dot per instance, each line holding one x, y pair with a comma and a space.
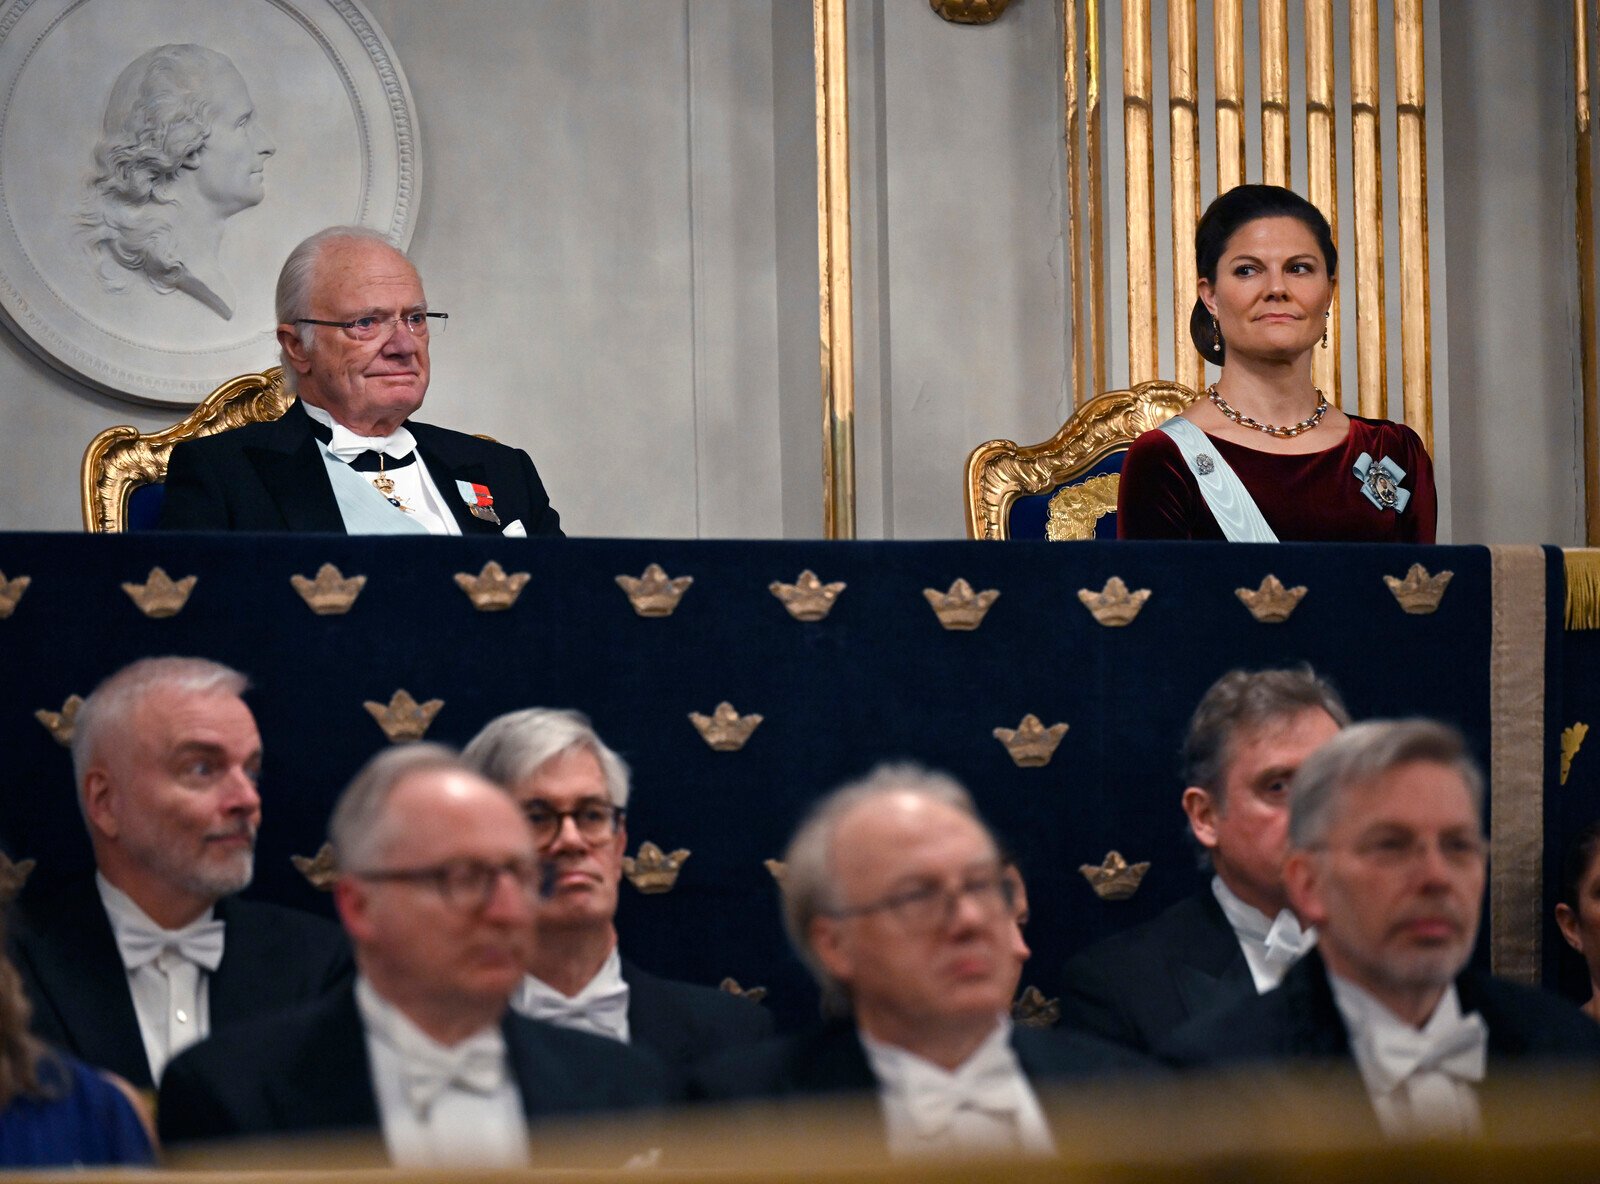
464, 884
930, 906
369, 328
596, 821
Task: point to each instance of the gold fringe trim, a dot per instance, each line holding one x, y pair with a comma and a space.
1583, 587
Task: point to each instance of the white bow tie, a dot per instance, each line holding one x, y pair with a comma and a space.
989, 1089
1286, 941
199, 942
602, 1012
1458, 1050
477, 1064
346, 445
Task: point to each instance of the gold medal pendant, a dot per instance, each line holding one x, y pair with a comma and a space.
385, 486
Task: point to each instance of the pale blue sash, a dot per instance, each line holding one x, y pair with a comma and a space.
1230, 502
363, 508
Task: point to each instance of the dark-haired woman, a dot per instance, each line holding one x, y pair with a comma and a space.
1264, 456
55, 1111
1578, 914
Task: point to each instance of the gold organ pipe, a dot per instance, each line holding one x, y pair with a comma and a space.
1411, 169
1094, 148
1589, 358
1228, 47
833, 264
1321, 153
1367, 167
1081, 328
1183, 106
1139, 173
1274, 22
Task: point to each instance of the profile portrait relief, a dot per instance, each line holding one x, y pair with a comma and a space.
182, 149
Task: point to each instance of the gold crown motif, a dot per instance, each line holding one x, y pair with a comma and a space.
1271, 603
960, 608
1030, 743
775, 868
754, 994
1419, 592
652, 871
159, 596
1033, 1010
1571, 741
725, 730
653, 594
404, 719
1114, 606
808, 598
330, 594
11, 592
969, 12
12, 877
60, 723
1115, 878
491, 590
320, 870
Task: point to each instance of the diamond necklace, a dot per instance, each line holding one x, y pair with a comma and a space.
1244, 421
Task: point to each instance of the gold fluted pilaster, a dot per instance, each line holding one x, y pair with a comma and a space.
1366, 161
1228, 47
1144, 332
1589, 358
1094, 148
1274, 29
833, 266
1183, 107
1081, 330
1411, 178
1321, 160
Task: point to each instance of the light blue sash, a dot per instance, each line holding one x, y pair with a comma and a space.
363, 508
1230, 502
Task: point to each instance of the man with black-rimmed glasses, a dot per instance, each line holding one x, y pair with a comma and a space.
438, 880
896, 898
574, 791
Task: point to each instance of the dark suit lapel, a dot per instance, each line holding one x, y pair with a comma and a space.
445, 474
289, 465
334, 1090
1209, 968
1315, 1026
650, 1023
76, 966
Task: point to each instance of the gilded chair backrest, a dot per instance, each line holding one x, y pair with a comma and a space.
120, 461
1078, 467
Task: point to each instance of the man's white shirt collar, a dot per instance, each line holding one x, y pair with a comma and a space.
984, 1105
1270, 946
601, 1007
347, 445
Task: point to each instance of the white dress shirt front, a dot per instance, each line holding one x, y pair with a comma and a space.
413, 485
1421, 1081
169, 973
601, 1007
985, 1106
1270, 946
441, 1106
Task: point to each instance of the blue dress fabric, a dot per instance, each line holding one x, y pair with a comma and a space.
79, 1118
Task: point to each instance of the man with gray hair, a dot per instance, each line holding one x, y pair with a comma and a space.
355, 330
130, 966
895, 897
437, 880
1387, 858
1237, 936
573, 790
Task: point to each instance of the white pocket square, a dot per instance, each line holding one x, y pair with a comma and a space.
516, 530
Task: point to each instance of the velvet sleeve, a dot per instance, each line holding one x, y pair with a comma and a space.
1421, 519
1155, 498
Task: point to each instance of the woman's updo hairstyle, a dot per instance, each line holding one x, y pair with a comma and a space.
1230, 211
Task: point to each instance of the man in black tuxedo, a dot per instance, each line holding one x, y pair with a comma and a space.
1387, 859
1237, 936
895, 897
438, 875
129, 967
354, 330
574, 790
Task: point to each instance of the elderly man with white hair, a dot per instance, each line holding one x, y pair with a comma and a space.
1387, 859
896, 898
574, 791
355, 329
129, 966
